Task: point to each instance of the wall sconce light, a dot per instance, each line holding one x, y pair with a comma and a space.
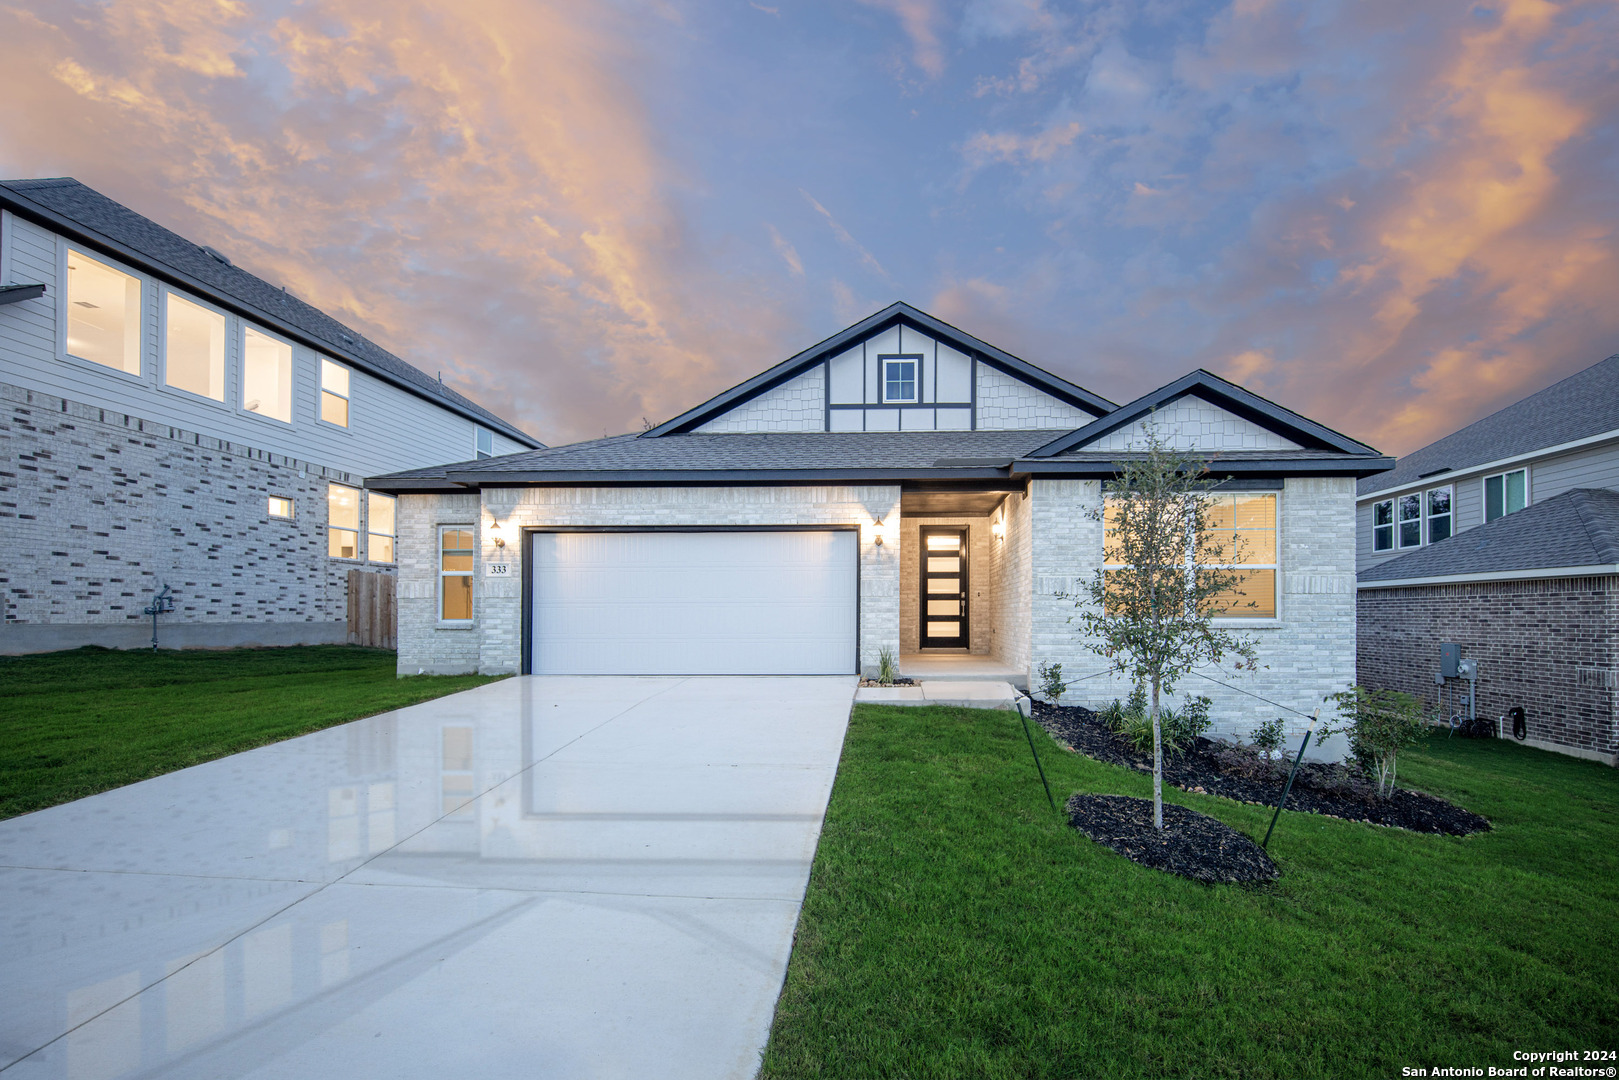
494, 533
998, 527
878, 525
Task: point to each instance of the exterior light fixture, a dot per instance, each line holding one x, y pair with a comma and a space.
998, 527
878, 525
494, 532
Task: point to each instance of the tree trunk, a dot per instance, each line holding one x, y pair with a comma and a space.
1157, 764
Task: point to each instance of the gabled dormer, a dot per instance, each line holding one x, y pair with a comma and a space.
898, 370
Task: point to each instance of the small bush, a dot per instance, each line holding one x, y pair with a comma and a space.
1178, 729
1052, 686
886, 668
1379, 723
1112, 715
1268, 737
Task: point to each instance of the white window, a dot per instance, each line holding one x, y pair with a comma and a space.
103, 314
193, 347
266, 375
485, 443
1242, 536
455, 573
1505, 493
342, 521
379, 523
1410, 510
899, 379
1383, 525
279, 507
1438, 514
334, 393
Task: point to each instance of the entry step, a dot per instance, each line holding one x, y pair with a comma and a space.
967, 693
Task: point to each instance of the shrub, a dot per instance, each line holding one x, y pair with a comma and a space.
1179, 729
885, 666
1379, 723
1268, 737
1052, 687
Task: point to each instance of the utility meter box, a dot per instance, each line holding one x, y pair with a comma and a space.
1467, 668
1450, 658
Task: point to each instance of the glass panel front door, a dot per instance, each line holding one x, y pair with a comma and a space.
943, 588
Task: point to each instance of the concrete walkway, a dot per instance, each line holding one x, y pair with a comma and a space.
543, 877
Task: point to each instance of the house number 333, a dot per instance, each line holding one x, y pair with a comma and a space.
499, 569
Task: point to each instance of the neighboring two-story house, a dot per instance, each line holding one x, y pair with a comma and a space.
1503, 538
168, 419
900, 487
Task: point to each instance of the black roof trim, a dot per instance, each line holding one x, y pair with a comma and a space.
1217, 391
590, 477
895, 313
16, 294
1325, 465
15, 198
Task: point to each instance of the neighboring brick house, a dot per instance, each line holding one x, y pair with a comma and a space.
901, 486
167, 418
1503, 538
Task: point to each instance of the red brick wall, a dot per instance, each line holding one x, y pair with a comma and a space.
1550, 646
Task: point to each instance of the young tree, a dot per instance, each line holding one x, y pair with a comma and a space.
1149, 610
1379, 723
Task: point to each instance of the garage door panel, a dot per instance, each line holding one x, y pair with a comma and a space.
695, 603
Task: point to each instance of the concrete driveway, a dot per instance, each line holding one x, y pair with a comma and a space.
543, 877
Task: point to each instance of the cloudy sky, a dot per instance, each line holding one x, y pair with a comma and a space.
1392, 216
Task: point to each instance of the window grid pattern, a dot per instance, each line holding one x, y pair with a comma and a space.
342, 521
455, 574
1241, 537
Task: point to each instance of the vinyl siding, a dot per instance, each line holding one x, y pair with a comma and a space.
390, 429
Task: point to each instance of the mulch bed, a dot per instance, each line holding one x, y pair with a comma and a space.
1192, 845
896, 682
1216, 768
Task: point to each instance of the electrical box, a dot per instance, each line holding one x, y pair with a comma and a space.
1450, 657
1468, 668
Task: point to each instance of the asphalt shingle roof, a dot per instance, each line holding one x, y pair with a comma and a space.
95, 212
1582, 405
1576, 528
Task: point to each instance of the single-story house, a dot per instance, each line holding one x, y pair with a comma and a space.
901, 486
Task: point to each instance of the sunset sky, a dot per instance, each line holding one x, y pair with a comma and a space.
1394, 217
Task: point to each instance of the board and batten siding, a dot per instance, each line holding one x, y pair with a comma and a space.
390, 428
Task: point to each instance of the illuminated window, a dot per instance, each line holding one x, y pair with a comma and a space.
193, 348
334, 393
266, 375
279, 507
342, 521
1383, 525
1241, 537
1505, 493
103, 314
1438, 514
379, 522
455, 574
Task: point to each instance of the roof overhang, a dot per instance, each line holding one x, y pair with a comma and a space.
60, 223
1598, 570
16, 294
1326, 465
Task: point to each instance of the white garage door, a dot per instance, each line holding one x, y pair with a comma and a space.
695, 603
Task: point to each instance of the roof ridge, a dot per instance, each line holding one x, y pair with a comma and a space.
1599, 530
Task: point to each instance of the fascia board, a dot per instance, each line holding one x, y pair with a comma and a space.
711, 477
1598, 570
1469, 471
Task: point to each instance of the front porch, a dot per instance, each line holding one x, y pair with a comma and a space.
961, 667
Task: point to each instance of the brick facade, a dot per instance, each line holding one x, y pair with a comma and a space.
1550, 646
102, 509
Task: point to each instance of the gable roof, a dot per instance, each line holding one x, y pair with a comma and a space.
64, 205
1308, 434
894, 314
1578, 529
1584, 405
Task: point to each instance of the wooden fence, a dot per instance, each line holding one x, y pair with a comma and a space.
373, 616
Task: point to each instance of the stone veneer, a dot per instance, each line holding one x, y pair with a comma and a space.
1305, 654
493, 644
1550, 646
799, 404
101, 509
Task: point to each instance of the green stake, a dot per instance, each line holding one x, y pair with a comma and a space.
1265, 843
1037, 765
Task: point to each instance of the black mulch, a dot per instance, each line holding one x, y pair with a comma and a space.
1217, 768
1192, 845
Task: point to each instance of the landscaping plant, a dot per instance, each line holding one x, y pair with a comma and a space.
1052, 686
1379, 723
885, 666
1267, 737
1149, 611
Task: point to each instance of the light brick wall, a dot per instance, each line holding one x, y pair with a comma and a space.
1550, 646
981, 581
799, 404
495, 645
1194, 424
101, 509
1308, 652
1005, 403
1013, 562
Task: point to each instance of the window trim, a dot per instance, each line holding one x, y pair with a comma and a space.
1484, 493
441, 574
240, 340
1256, 621
64, 251
359, 523
478, 431
1428, 516
292, 508
1400, 522
162, 364
393, 537
1390, 526
321, 360
883, 360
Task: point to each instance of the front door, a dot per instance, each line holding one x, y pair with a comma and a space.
943, 581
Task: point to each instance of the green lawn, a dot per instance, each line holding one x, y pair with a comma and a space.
75, 723
954, 928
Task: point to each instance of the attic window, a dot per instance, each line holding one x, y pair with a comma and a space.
899, 379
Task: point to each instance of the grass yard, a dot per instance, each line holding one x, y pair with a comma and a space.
954, 927
75, 723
